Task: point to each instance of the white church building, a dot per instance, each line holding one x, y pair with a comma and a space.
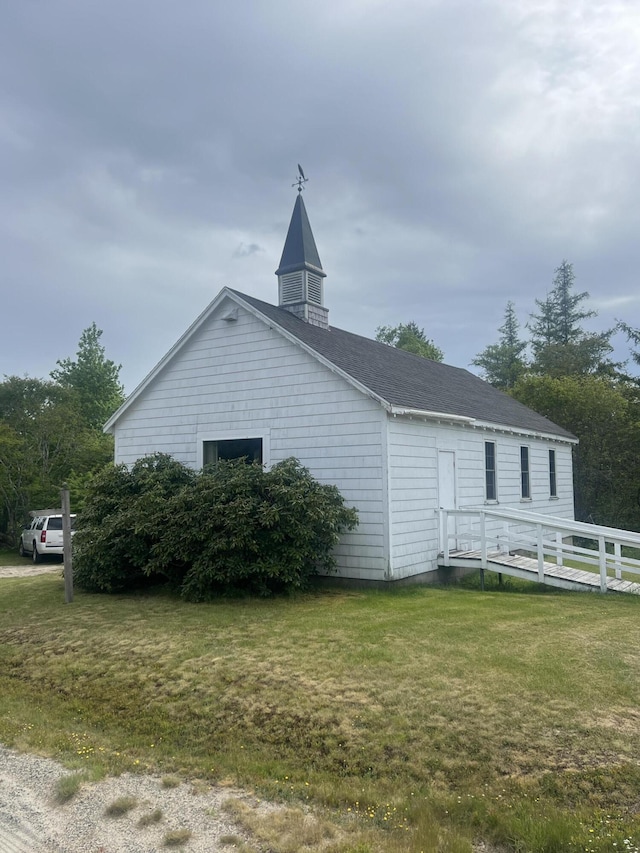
400, 435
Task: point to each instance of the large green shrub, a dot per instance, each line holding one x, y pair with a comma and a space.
234, 527
111, 545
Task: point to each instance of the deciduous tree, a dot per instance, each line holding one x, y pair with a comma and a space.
44, 441
411, 338
607, 424
93, 377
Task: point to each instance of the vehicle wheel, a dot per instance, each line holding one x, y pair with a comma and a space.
34, 554
21, 550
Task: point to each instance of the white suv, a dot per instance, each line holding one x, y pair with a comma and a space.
43, 536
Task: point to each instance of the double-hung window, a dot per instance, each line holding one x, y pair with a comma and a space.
553, 484
525, 479
490, 488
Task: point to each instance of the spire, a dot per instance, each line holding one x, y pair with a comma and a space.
300, 250
300, 274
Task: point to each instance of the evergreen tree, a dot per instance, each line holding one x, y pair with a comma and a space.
633, 336
560, 314
93, 377
411, 338
503, 363
560, 345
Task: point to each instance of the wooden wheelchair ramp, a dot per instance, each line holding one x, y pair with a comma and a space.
537, 548
526, 568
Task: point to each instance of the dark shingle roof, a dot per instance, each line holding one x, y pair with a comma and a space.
300, 250
410, 381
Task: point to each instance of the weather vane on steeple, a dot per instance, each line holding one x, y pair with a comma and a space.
300, 180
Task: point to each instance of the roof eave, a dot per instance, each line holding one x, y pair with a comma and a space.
430, 416
445, 417
524, 431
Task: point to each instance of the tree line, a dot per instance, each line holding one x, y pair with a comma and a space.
568, 374
51, 432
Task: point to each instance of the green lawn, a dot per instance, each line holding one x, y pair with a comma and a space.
626, 575
412, 720
12, 558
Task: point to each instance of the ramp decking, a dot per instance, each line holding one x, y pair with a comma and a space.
538, 547
553, 575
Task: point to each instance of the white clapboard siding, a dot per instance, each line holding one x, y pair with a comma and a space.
413, 447
413, 496
244, 379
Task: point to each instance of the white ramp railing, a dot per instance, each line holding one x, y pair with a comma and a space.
492, 531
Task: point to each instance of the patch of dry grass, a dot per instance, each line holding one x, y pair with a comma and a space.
286, 830
121, 806
176, 837
67, 787
150, 818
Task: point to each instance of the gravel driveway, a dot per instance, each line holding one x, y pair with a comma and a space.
31, 822
27, 570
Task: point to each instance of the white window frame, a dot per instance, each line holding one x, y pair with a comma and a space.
494, 499
238, 435
527, 472
553, 474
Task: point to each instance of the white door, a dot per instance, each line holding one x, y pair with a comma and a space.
447, 492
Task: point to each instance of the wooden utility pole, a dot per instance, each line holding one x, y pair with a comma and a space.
66, 544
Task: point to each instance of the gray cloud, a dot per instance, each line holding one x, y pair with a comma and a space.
245, 251
457, 153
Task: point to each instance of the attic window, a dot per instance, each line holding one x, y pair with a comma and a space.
249, 449
291, 289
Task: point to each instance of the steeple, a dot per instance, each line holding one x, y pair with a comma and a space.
300, 274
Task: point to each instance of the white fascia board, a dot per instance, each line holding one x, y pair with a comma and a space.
211, 307
476, 424
526, 433
431, 416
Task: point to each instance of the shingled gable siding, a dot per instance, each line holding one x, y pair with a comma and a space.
413, 482
243, 378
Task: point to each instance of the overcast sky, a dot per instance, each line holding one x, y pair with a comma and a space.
457, 151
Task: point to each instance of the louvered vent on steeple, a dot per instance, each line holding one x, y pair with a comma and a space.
314, 288
292, 287
300, 274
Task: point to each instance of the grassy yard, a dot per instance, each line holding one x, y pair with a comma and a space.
626, 575
12, 558
415, 720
